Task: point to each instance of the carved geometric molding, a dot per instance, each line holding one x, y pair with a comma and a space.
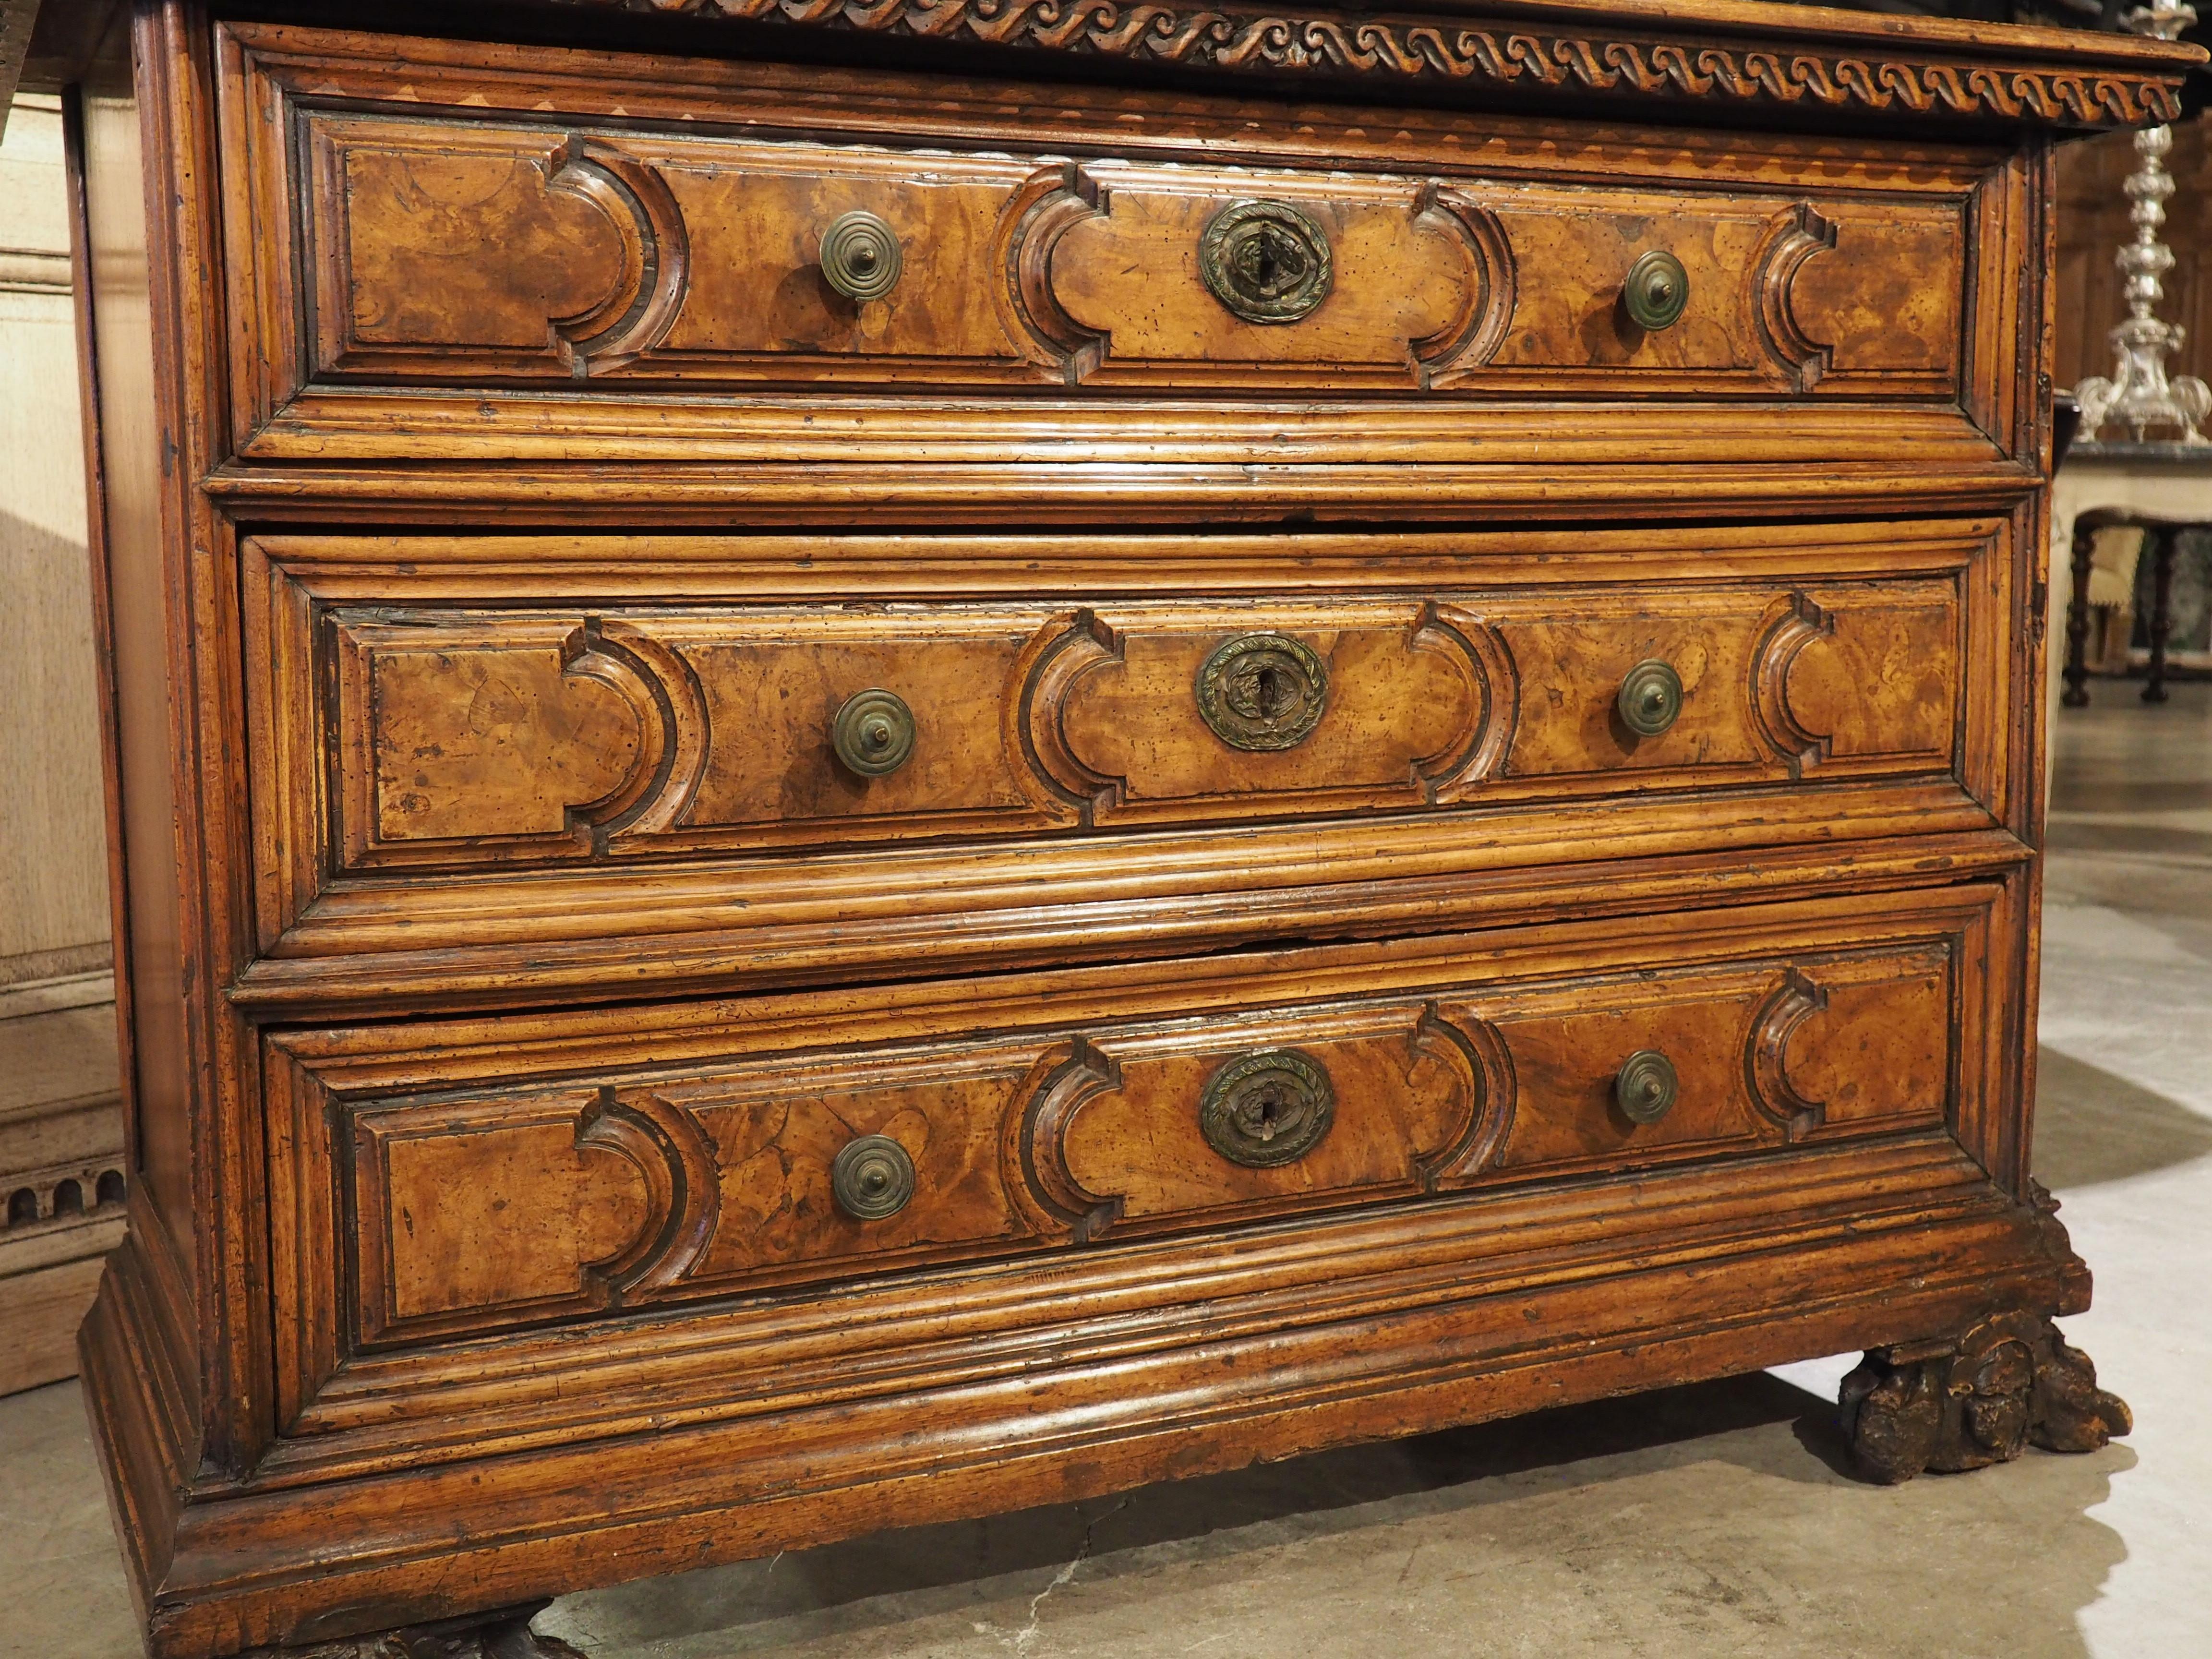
1472, 1049
1797, 622
1618, 63
1037, 1142
677, 1159
1490, 303
636, 315
1111, 1139
1039, 213
1766, 1069
1110, 718
1797, 234
666, 695
1425, 291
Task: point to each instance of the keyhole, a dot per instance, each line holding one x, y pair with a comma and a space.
1262, 1118
1270, 699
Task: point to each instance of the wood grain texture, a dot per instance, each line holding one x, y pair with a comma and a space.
409, 743
483, 256
469, 1208
495, 510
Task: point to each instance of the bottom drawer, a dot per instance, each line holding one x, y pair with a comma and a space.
455, 1179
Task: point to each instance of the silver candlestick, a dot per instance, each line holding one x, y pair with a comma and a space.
2139, 396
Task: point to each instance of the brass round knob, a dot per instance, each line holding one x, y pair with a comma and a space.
1645, 1086
1268, 1109
872, 1177
860, 257
874, 732
1651, 698
1656, 291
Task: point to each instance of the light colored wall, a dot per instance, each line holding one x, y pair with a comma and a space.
53, 866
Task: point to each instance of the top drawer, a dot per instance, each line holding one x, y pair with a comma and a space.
602, 244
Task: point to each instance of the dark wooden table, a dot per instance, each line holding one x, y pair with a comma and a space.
2163, 536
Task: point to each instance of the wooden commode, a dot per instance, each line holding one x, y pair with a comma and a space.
874, 763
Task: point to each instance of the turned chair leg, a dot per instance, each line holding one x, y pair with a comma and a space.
2161, 611
2076, 695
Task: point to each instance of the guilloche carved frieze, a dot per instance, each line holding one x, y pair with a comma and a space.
1616, 62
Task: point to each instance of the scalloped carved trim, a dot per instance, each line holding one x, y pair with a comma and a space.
656, 257
1797, 623
1472, 1047
1036, 1149
679, 704
1507, 56
1439, 357
1042, 212
1082, 644
677, 1158
1446, 627
1766, 1062
1797, 234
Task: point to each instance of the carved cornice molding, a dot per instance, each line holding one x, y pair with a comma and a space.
2004, 74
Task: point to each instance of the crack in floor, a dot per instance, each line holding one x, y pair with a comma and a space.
1029, 1633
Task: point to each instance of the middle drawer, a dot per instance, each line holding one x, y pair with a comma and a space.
455, 731
566, 761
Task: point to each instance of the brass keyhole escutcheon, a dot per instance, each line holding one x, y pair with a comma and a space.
1645, 1086
860, 257
1262, 691
1651, 698
1267, 1109
1656, 291
1267, 261
874, 732
872, 1178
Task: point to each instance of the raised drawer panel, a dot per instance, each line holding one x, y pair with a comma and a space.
472, 1196
581, 233
448, 253
471, 735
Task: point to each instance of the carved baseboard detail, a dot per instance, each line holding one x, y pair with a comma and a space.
2010, 1381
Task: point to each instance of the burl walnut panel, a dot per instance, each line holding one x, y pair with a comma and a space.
541, 241
586, 1122
515, 735
454, 253
469, 1207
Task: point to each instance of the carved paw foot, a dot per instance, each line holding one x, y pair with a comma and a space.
504, 1633
1964, 1404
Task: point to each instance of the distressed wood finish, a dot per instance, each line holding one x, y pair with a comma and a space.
1295, 1003
474, 1201
378, 250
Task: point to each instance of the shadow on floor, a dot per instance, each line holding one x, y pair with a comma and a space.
2092, 1126
1755, 1532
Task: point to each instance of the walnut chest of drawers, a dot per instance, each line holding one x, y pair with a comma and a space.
873, 762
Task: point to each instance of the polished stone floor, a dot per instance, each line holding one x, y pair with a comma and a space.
1704, 1521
